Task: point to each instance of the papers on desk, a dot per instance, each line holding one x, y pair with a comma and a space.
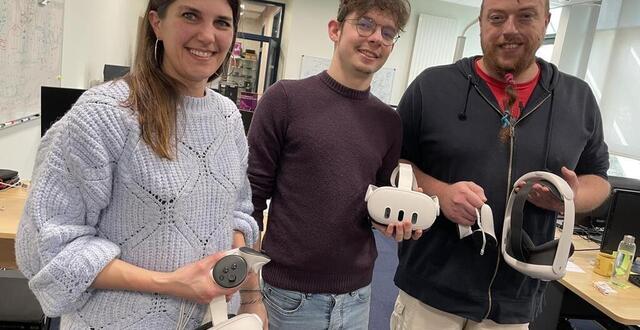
572, 267
604, 287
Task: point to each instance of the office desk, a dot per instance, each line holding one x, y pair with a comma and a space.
11, 204
574, 296
623, 307
20, 310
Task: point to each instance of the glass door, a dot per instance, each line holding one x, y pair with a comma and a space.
254, 64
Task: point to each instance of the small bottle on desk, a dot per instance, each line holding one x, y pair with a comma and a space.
624, 260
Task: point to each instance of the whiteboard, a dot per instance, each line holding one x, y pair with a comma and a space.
30, 54
381, 85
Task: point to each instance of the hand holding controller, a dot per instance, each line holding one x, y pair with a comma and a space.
230, 272
232, 269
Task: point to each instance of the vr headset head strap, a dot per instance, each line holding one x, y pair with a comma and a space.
402, 177
519, 238
517, 219
518, 249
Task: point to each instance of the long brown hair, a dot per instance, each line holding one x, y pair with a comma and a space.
154, 95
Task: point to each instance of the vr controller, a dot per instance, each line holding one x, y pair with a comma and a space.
232, 269
484, 220
230, 272
396, 203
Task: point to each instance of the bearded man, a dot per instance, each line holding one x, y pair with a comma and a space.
472, 128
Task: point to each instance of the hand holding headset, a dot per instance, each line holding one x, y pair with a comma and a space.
547, 261
396, 203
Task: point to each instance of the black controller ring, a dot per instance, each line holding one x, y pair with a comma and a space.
230, 271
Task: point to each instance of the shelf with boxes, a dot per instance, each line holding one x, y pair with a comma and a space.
243, 72
240, 82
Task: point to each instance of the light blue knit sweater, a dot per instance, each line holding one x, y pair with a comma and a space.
99, 192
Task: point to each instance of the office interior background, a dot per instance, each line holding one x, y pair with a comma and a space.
598, 41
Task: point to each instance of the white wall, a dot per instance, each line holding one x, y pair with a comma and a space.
614, 75
599, 59
97, 32
305, 33
18, 145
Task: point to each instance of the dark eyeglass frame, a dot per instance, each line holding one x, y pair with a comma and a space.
357, 23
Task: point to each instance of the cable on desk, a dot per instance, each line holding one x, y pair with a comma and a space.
581, 250
19, 184
589, 233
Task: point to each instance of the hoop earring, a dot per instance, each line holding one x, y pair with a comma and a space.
155, 52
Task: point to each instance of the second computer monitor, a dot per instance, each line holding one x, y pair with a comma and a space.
623, 219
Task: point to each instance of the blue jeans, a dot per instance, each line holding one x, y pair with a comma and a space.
310, 311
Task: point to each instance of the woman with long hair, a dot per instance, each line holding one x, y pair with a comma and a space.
142, 184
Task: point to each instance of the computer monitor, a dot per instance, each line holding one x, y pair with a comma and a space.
111, 72
598, 216
54, 103
623, 219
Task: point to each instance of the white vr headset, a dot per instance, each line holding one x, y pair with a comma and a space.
548, 261
396, 203
230, 272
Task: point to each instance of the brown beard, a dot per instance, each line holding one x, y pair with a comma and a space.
490, 59
519, 67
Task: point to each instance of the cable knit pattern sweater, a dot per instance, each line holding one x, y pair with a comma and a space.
100, 192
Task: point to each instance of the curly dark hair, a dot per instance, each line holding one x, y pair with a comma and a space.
398, 9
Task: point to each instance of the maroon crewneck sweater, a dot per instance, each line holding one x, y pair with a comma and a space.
314, 148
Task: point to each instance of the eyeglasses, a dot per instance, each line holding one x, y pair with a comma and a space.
367, 26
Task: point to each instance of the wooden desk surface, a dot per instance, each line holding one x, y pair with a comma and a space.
11, 204
623, 306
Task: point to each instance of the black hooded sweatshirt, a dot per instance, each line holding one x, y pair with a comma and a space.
451, 122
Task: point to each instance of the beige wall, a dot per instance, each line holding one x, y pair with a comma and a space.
19, 145
97, 32
305, 33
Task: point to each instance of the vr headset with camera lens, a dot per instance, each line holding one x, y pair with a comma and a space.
399, 202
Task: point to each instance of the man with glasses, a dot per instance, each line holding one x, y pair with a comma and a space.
315, 146
470, 129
